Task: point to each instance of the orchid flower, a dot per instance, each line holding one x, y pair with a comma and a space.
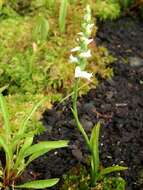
81, 52
82, 74
86, 40
75, 49
85, 54
73, 59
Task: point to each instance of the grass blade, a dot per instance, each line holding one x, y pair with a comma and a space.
62, 15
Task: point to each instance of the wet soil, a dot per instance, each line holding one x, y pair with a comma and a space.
117, 103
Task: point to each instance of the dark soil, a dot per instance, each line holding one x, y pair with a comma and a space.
118, 103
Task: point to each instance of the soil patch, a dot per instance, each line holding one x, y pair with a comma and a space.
118, 103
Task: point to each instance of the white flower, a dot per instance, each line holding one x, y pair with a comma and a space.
75, 49
86, 40
73, 59
86, 54
82, 74
80, 33
87, 16
89, 28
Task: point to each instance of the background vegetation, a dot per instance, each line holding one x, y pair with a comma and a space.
35, 41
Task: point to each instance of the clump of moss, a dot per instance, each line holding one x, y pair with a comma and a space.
33, 65
107, 9
46, 69
78, 178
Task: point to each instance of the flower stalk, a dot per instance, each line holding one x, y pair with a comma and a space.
79, 57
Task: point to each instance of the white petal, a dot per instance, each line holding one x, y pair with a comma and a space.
86, 40
73, 59
86, 54
75, 49
81, 33
82, 74
87, 17
89, 28
90, 40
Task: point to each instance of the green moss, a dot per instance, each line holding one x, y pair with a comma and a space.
78, 179
28, 71
107, 9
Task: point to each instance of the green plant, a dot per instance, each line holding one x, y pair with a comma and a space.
41, 30
125, 3
78, 178
20, 151
117, 183
80, 59
62, 15
43, 70
107, 9
131, 5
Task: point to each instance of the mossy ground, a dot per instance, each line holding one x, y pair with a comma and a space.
78, 178
27, 75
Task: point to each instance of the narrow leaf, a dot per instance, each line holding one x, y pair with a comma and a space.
36, 155
21, 154
94, 144
45, 145
5, 115
39, 184
8, 152
41, 30
5, 147
25, 121
18, 138
112, 169
62, 15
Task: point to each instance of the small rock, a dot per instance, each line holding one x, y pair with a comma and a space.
135, 61
87, 107
77, 154
87, 124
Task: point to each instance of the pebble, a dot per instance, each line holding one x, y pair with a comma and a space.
136, 61
77, 154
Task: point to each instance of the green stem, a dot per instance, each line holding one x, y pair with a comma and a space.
71, 94
75, 113
75, 95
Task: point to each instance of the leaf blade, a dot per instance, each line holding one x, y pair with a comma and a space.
62, 15
46, 145
21, 153
111, 169
29, 115
39, 184
5, 115
8, 152
94, 144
